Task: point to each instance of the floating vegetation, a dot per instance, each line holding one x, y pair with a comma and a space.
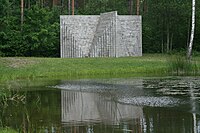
151, 101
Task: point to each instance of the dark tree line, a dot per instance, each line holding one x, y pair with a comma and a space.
31, 27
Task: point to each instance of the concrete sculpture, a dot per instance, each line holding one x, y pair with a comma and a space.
104, 35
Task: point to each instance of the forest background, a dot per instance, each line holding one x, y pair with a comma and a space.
31, 27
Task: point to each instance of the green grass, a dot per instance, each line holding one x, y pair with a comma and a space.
12, 68
7, 130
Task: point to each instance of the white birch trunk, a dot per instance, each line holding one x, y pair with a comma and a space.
189, 53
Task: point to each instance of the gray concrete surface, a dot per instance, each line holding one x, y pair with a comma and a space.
104, 35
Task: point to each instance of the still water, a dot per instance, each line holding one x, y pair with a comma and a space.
144, 105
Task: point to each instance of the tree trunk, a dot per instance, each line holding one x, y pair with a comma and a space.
29, 4
189, 53
188, 34
168, 38
72, 7
53, 3
162, 46
145, 6
22, 14
138, 7
42, 3
130, 7
69, 6
163, 35
171, 42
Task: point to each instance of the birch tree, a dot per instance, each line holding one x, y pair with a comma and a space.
189, 53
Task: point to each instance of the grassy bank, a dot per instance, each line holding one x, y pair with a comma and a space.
56, 68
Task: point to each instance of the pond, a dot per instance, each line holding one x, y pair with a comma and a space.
132, 105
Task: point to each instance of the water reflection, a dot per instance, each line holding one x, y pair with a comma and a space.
86, 107
108, 106
159, 108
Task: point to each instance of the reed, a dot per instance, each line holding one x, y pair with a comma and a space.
179, 65
9, 95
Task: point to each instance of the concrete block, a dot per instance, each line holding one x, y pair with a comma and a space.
104, 35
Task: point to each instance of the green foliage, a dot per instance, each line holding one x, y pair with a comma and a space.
165, 25
39, 35
95, 7
4, 93
7, 130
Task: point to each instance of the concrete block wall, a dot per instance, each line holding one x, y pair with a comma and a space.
76, 34
107, 35
129, 33
104, 42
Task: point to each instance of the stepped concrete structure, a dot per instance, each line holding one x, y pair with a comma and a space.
80, 106
104, 35
92, 100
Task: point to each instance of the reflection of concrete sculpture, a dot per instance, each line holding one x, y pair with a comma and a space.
107, 35
109, 102
84, 106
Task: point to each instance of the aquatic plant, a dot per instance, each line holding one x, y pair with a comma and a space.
6, 95
179, 65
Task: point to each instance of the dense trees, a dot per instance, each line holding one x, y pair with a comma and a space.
31, 27
35, 33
